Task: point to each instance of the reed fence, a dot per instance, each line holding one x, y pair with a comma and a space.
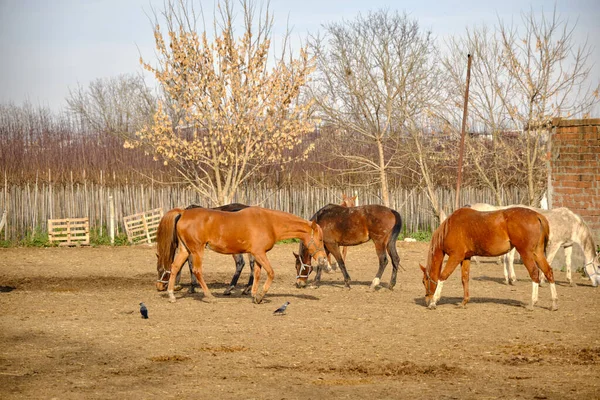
29, 206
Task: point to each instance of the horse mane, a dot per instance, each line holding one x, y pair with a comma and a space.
582, 233
437, 240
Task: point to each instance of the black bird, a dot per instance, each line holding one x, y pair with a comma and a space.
281, 310
143, 311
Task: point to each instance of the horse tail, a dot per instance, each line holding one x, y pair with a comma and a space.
396, 229
166, 238
545, 231
391, 244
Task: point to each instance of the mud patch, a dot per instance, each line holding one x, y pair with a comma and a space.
173, 358
523, 354
396, 369
222, 349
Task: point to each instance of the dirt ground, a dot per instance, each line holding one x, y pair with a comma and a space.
70, 327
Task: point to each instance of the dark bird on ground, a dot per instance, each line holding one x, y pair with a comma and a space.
143, 311
281, 310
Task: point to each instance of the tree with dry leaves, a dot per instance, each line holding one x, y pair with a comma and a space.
227, 112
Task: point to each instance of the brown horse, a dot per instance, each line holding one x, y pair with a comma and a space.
253, 230
238, 258
467, 233
347, 201
343, 226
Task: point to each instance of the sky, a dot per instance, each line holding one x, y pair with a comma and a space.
51, 46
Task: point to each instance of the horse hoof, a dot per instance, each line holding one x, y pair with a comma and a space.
554, 306
227, 292
432, 306
209, 299
258, 298
246, 292
172, 300
573, 284
177, 288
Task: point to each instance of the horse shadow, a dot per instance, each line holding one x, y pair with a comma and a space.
217, 290
473, 300
341, 285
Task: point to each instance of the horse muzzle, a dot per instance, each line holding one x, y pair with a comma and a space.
161, 287
300, 283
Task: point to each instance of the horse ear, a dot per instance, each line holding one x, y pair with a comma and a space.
295, 254
422, 268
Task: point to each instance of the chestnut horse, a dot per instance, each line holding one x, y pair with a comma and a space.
467, 233
238, 258
253, 230
343, 226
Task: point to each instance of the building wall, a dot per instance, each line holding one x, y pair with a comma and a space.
574, 169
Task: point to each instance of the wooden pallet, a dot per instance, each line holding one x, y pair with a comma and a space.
69, 231
141, 227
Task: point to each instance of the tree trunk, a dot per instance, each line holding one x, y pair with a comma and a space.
385, 195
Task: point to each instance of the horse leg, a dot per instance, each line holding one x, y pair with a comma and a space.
251, 261
551, 251
176, 265
465, 272
383, 261
449, 268
193, 281
263, 261
393, 252
543, 264
529, 263
239, 266
510, 278
330, 266
178, 286
197, 263
568, 253
335, 250
256, 279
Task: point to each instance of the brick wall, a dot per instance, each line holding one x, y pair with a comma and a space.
574, 169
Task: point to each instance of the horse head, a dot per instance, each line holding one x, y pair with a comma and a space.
430, 285
348, 201
592, 269
303, 267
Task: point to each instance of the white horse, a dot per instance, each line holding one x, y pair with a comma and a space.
566, 228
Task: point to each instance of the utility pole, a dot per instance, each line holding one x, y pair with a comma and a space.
462, 135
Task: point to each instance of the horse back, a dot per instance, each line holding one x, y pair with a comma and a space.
351, 226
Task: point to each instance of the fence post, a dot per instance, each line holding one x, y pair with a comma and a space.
111, 206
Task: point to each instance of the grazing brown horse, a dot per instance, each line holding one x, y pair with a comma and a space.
238, 258
346, 202
253, 230
467, 233
343, 226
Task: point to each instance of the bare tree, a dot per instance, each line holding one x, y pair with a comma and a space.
117, 105
523, 76
232, 113
373, 74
